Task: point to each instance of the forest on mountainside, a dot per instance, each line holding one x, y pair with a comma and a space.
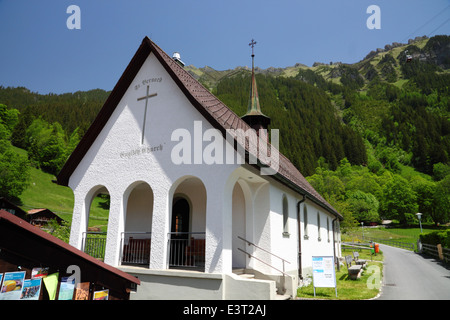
372, 137
306, 132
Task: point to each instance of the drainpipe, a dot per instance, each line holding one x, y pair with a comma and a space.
334, 242
300, 276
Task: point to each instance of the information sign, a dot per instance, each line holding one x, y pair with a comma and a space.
324, 275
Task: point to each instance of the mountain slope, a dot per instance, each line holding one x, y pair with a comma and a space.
349, 127
322, 111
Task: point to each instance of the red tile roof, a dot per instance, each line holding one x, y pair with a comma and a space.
216, 112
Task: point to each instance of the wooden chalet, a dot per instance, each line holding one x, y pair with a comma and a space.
41, 217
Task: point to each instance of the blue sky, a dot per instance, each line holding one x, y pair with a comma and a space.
39, 52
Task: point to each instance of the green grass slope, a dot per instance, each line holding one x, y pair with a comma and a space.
42, 192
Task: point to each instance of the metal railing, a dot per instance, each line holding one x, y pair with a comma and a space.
394, 243
186, 249
389, 242
94, 244
358, 245
135, 248
258, 247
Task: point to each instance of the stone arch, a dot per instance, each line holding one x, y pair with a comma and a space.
193, 190
135, 237
241, 218
91, 226
138, 207
92, 200
187, 219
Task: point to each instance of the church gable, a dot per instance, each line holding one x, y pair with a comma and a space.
152, 128
153, 70
155, 80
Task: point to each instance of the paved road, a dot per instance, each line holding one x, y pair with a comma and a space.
410, 276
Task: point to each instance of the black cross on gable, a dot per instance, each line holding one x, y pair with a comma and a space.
146, 97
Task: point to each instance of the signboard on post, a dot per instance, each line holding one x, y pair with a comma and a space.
324, 275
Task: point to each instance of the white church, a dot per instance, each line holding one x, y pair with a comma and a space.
202, 206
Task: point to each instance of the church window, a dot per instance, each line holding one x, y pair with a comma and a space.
328, 229
318, 227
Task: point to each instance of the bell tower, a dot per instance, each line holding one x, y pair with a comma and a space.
254, 117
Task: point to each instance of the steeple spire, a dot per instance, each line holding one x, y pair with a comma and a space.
254, 117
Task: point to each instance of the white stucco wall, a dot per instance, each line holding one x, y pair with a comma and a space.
117, 159
284, 245
311, 245
142, 181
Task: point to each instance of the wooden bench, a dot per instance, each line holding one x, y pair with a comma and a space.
358, 261
195, 252
354, 272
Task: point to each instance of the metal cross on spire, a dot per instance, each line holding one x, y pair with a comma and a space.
252, 44
254, 117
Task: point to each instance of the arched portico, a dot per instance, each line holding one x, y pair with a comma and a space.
242, 216
135, 239
249, 199
89, 201
82, 211
187, 217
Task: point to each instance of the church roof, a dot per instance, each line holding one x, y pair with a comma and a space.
215, 111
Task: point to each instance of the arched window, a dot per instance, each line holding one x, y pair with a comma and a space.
285, 217
328, 229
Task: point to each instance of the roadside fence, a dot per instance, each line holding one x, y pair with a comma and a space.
436, 251
389, 242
